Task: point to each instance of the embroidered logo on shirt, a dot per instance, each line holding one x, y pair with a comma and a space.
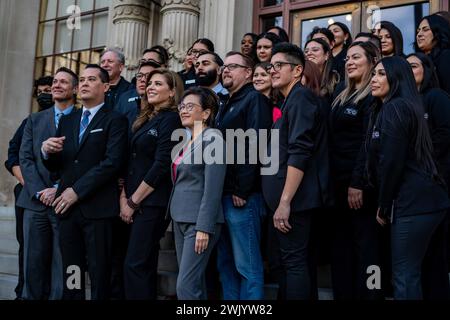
351, 112
375, 135
426, 116
153, 132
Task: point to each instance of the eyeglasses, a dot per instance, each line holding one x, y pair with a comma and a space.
278, 65
196, 53
141, 75
188, 106
232, 67
151, 62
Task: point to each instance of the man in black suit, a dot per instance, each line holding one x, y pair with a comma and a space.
88, 152
301, 184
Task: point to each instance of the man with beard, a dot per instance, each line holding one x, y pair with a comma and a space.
208, 73
43, 93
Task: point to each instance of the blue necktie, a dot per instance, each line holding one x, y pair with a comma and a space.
58, 117
84, 124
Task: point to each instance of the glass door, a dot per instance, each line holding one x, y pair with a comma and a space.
406, 15
304, 21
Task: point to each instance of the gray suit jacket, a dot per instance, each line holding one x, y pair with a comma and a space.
197, 193
40, 126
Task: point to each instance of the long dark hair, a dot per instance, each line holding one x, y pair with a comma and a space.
430, 78
346, 31
396, 36
440, 29
403, 86
330, 77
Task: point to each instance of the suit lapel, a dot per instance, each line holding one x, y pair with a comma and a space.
143, 129
97, 118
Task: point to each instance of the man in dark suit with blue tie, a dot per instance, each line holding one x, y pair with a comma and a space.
41, 242
88, 152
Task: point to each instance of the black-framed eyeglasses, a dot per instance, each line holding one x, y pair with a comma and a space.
278, 65
232, 66
187, 106
140, 76
196, 53
151, 62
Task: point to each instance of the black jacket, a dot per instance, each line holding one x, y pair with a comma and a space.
113, 94
14, 147
348, 125
246, 109
189, 78
303, 144
441, 60
92, 167
150, 158
339, 63
437, 112
403, 184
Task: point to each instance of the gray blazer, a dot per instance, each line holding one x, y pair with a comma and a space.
197, 193
40, 126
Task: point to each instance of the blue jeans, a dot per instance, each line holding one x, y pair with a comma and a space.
410, 237
239, 259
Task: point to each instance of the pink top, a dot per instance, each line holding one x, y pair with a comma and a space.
175, 165
276, 114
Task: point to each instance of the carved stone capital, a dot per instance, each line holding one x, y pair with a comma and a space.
131, 10
174, 54
180, 5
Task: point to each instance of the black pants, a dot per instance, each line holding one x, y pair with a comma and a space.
81, 238
295, 282
355, 247
141, 261
435, 282
121, 235
411, 236
19, 235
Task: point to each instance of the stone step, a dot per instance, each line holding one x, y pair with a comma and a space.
9, 264
7, 285
167, 242
8, 245
8, 227
167, 261
167, 284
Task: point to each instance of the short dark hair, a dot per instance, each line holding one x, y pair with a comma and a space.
73, 74
372, 38
160, 51
282, 33
149, 64
272, 37
324, 31
217, 58
292, 52
247, 60
42, 81
103, 74
208, 100
208, 43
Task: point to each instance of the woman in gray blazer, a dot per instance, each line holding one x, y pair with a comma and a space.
198, 173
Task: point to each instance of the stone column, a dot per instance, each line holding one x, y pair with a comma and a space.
179, 28
131, 21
